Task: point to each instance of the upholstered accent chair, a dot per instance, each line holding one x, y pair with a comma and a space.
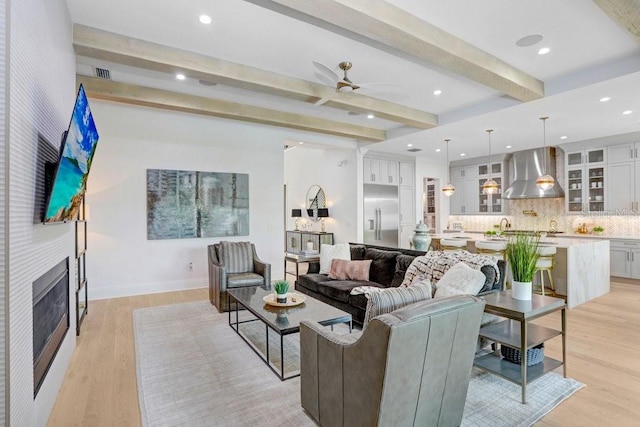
410, 367
234, 265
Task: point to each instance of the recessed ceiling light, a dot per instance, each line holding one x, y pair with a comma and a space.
409, 145
529, 40
180, 76
544, 51
205, 19
563, 137
437, 92
300, 142
437, 150
462, 154
627, 112
370, 116
605, 99
508, 146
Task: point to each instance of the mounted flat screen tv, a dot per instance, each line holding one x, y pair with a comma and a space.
76, 154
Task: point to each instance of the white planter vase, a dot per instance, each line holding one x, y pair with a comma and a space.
521, 290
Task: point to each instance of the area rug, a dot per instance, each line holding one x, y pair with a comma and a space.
193, 369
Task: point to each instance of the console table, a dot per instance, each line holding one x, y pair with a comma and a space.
298, 240
517, 332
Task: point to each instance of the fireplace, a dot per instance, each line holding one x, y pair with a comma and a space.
50, 319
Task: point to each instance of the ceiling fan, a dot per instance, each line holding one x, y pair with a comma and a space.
342, 84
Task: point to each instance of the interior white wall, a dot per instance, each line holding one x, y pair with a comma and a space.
334, 169
120, 259
430, 169
4, 278
41, 89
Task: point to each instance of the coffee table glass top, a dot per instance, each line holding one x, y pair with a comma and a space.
286, 320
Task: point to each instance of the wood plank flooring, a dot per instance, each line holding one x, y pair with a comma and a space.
603, 347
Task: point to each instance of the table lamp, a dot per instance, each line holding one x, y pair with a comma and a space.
296, 213
323, 213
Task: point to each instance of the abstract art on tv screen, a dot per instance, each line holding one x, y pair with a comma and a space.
190, 204
79, 146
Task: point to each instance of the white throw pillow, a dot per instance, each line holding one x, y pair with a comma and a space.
460, 279
330, 252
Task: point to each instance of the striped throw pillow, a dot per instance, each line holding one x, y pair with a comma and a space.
342, 269
394, 298
237, 257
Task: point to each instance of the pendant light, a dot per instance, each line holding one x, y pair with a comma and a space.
448, 189
546, 181
490, 186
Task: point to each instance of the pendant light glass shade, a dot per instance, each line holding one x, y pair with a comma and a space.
546, 181
448, 189
490, 186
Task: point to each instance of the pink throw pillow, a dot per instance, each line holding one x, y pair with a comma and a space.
342, 269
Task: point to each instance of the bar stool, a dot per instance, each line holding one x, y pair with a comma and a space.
453, 244
546, 262
497, 250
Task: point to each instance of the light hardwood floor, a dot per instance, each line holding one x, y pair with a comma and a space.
603, 347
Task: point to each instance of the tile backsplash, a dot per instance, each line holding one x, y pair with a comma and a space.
622, 225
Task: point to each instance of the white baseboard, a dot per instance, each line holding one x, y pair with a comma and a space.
145, 288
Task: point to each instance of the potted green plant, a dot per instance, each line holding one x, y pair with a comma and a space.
522, 254
281, 287
598, 229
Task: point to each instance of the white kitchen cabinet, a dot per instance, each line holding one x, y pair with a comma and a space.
625, 258
464, 200
407, 174
462, 172
490, 203
586, 179
407, 197
624, 170
379, 171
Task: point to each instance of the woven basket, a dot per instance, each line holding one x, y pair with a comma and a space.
535, 355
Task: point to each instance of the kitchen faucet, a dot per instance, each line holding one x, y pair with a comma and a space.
507, 224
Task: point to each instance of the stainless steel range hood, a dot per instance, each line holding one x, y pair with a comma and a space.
526, 167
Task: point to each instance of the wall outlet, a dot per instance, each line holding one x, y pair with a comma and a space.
190, 266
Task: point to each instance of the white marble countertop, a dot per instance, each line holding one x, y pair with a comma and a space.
571, 235
560, 242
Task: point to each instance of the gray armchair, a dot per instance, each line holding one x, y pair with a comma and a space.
410, 367
234, 265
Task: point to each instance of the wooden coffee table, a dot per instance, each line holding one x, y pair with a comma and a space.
281, 320
517, 332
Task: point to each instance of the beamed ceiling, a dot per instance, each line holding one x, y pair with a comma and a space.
255, 63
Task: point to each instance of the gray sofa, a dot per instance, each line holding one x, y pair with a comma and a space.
410, 367
388, 268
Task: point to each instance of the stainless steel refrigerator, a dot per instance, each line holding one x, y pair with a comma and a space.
381, 215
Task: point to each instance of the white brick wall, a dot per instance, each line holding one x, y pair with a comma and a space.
41, 91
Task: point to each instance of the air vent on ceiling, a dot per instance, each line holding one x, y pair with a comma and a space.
103, 73
414, 150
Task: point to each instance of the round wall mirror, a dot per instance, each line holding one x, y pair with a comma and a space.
315, 200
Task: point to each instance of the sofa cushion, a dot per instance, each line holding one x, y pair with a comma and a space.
460, 279
311, 281
340, 290
330, 252
382, 266
239, 280
237, 257
394, 298
357, 252
349, 270
402, 263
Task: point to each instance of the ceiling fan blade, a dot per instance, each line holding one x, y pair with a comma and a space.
324, 79
326, 99
332, 75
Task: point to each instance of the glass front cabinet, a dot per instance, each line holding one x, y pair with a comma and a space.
490, 203
586, 181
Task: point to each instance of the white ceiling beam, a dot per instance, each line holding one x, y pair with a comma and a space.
173, 101
116, 48
625, 13
386, 24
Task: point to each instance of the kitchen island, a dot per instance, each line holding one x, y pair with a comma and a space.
582, 264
